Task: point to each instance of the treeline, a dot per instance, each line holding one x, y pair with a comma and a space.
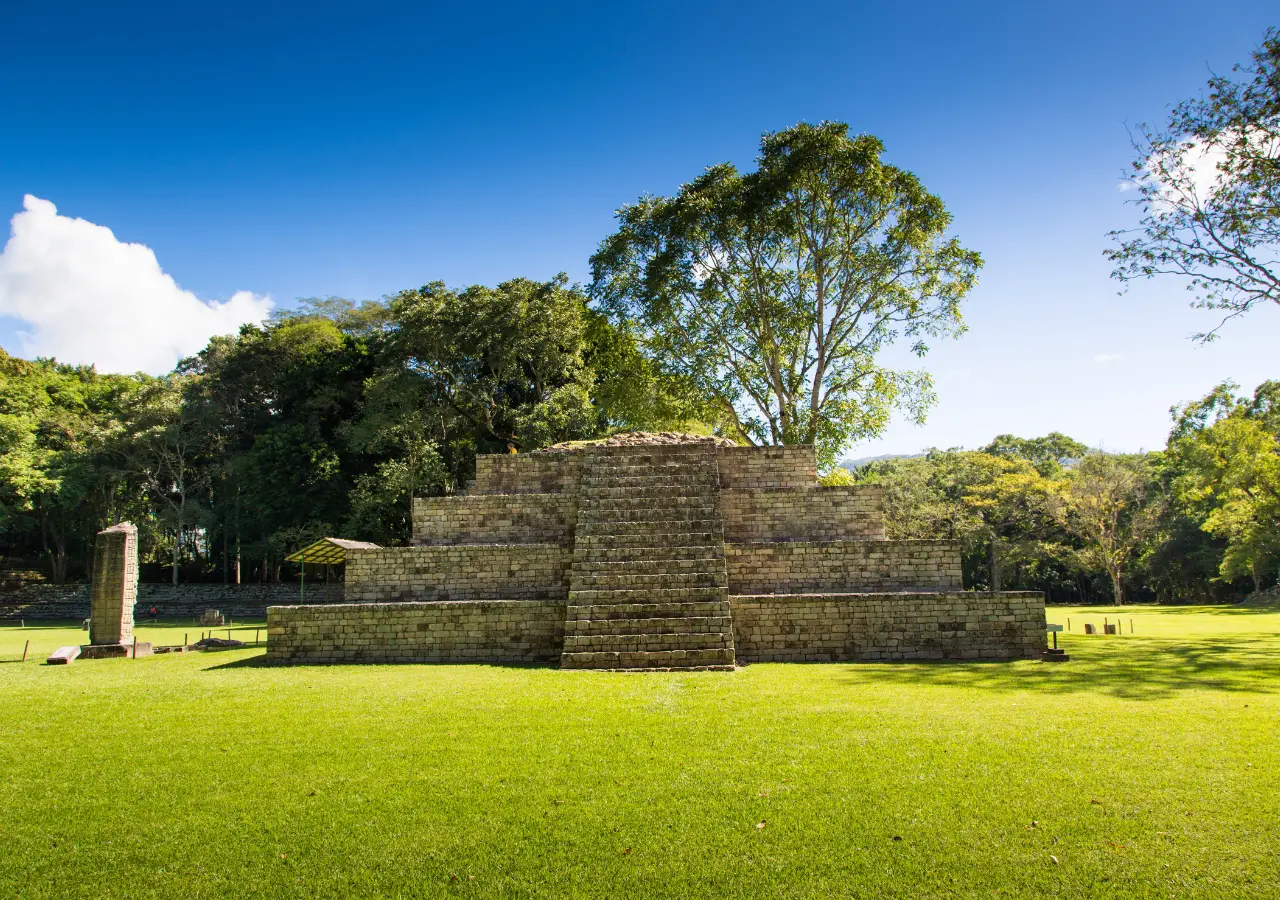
752, 305
324, 421
1197, 521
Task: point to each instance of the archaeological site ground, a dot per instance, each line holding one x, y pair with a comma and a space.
1147, 766
804, 709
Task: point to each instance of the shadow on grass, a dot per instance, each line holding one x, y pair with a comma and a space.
1133, 670
259, 661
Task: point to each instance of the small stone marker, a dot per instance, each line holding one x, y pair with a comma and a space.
1089, 629
63, 656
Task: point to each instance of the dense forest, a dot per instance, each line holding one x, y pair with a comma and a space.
754, 306
327, 419
323, 421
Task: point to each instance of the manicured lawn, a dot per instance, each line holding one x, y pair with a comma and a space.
1148, 766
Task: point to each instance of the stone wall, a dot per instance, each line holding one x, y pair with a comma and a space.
789, 628
495, 519
471, 572
495, 631
810, 514
803, 567
71, 601
834, 627
741, 468
534, 473
744, 468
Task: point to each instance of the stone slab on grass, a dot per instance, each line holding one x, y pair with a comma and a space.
63, 656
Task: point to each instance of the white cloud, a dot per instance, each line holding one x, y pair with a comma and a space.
88, 298
1201, 168
1106, 357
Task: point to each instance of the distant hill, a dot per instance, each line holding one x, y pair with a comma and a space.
852, 464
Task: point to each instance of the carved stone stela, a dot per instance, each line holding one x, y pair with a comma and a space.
115, 591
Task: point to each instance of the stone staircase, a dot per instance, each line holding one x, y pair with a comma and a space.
648, 587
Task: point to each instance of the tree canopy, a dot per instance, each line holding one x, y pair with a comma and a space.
1208, 187
776, 291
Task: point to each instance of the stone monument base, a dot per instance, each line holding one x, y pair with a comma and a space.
115, 651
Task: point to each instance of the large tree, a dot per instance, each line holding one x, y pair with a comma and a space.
776, 291
1208, 187
59, 483
168, 445
1227, 451
1106, 507
504, 363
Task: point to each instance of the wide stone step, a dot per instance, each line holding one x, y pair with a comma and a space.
660, 660
638, 492
644, 566
716, 658
692, 473
672, 526
692, 468
623, 643
644, 540
594, 596
652, 481
699, 540
619, 509
665, 511
605, 553
635, 580
638, 611
651, 625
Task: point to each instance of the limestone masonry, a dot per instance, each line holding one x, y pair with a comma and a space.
656, 553
115, 591
115, 585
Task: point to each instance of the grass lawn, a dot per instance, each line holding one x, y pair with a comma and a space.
1149, 765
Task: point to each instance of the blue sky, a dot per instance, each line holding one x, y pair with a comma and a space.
358, 149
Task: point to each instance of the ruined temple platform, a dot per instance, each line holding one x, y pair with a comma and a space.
670, 554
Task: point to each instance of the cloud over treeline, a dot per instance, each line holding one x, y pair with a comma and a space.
86, 297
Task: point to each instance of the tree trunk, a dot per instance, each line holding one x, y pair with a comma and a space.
1116, 586
995, 563
60, 563
177, 550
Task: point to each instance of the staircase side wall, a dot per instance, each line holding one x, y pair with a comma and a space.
475, 572
802, 567
868, 627
745, 468
495, 519
535, 473
804, 514
494, 631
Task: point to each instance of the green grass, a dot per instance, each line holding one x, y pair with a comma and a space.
1149, 765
